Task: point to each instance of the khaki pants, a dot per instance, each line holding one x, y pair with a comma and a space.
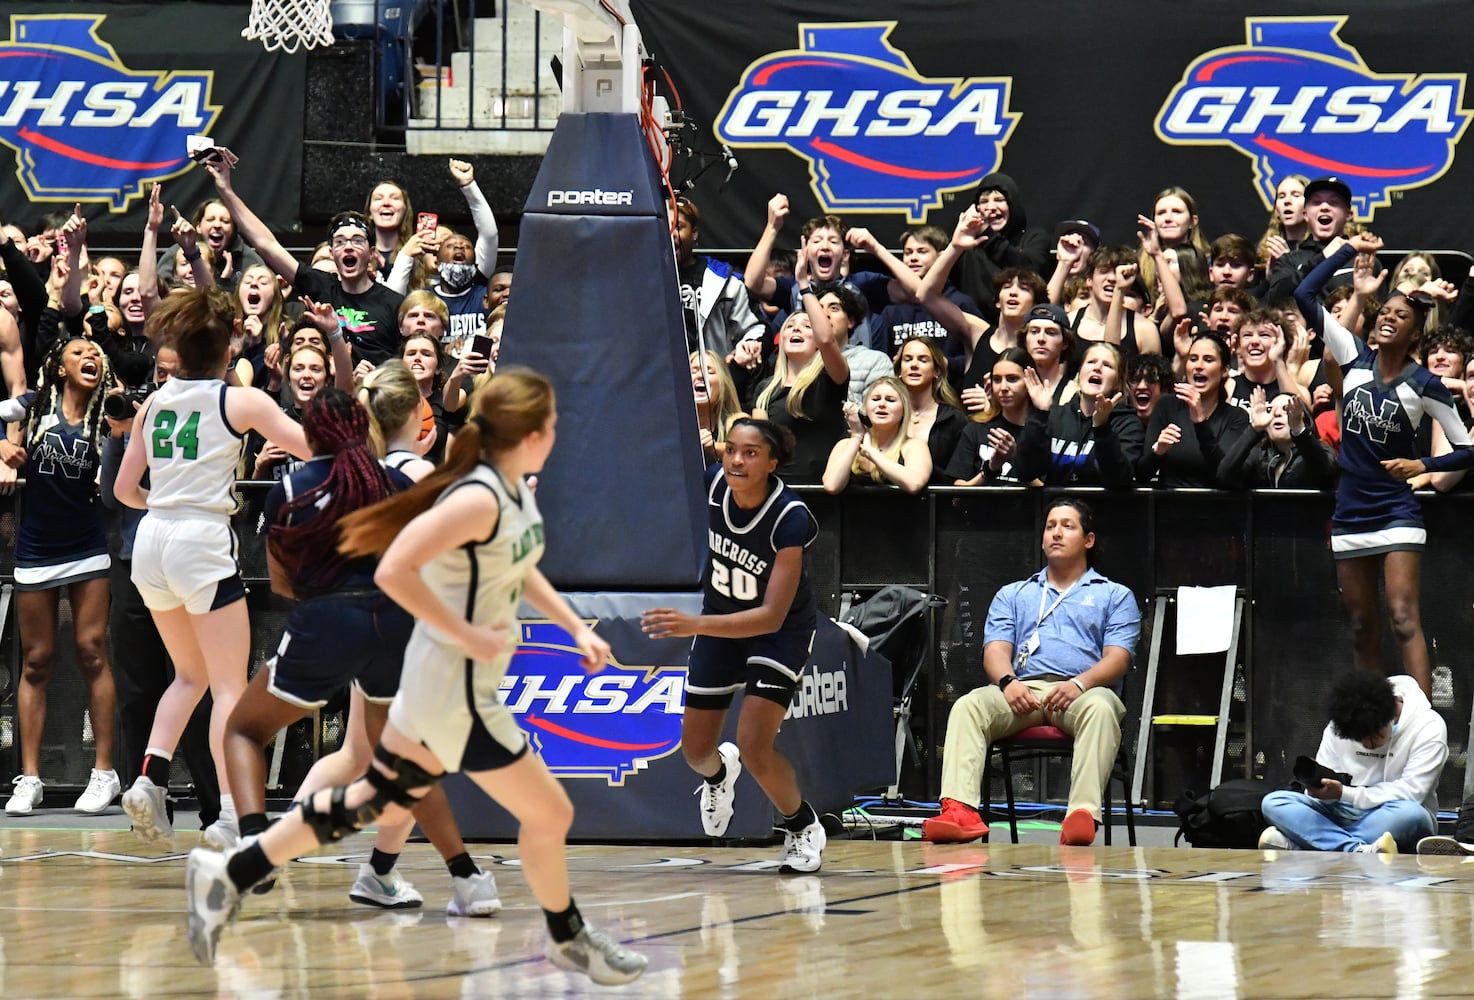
982, 716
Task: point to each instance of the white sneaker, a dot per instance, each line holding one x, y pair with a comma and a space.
803, 851
1273, 840
102, 788
27, 795
598, 956
717, 800
474, 896
1385, 844
212, 898
388, 892
223, 834
146, 806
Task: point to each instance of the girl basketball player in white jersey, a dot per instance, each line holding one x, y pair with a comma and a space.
754, 632
459, 550
187, 437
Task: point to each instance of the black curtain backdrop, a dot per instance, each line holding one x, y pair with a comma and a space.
94, 142
1087, 81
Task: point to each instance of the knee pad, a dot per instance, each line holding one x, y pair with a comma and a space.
397, 789
337, 821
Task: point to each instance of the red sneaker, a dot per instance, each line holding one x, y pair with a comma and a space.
1078, 829
957, 824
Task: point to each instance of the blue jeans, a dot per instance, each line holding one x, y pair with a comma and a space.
1317, 825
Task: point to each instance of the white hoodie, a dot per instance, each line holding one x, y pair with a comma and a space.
1406, 768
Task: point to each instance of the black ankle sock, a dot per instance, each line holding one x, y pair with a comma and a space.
461, 866
382, 863
720, 776
253, 824
800, 819
566, 925
248, 866
156, 769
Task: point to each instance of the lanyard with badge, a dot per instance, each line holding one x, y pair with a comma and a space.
1031, 644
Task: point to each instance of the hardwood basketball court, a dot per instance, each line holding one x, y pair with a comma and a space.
95, 914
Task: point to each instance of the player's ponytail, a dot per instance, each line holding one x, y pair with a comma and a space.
516, 402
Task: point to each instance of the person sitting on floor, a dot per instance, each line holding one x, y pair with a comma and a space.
1383, 733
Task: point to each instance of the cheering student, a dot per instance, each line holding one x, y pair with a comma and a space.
459, 550
1378, 522
754, 633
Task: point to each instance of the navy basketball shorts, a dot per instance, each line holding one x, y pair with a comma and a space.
337, 639
767, 666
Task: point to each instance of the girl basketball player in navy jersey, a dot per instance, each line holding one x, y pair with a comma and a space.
754, 633
1387, 395
459, 550
187, 437
391, 400
62, 543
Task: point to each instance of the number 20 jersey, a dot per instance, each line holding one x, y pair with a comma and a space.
745, 543
193, 452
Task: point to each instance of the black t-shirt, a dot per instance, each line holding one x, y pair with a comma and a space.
370, 319
815, 435
973, 453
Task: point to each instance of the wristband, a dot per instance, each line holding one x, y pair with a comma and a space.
336, 337
809, 289
1003, 682
1076, 682
194, 258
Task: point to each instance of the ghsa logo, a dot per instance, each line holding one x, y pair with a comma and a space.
879, 137
605, 725
84, 126
1297, 100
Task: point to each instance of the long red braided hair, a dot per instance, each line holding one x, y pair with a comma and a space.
335, 424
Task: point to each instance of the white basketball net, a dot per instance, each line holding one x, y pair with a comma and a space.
288, 25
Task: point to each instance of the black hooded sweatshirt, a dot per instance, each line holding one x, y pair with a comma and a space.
1017, 246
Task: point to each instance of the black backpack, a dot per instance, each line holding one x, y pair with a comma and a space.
1228, 816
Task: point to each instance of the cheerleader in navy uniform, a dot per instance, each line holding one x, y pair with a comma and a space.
1378, 519
62, 543
754, 633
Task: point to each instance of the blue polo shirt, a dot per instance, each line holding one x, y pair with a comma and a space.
1094, 614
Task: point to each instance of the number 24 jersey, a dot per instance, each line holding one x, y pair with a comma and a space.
193, 452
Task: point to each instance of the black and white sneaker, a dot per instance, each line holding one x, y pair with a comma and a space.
717, 801
1445, 847
803, 851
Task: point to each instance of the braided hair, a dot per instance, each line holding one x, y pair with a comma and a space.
47, 399
336, 425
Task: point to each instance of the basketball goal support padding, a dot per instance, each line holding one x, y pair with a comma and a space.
596, 308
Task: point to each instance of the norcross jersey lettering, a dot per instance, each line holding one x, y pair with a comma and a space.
730, 550
744, 544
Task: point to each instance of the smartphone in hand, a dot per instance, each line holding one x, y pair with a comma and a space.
426, 221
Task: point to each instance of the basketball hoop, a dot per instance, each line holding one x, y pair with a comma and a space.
287, 25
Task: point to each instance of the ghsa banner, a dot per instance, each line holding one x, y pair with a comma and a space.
96, 102
1296, 99
888, 113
